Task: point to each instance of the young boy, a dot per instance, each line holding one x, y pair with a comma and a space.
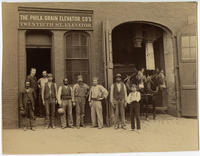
27, 106
133, 100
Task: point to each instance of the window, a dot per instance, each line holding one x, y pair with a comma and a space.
189, 47
77, 62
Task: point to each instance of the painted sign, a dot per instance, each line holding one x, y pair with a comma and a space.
35, 20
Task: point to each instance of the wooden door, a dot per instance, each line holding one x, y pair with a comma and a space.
187, 53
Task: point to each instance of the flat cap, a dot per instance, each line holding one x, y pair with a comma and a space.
118, 75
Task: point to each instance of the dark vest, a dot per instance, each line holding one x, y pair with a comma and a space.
66, 93
47, 91
116, 94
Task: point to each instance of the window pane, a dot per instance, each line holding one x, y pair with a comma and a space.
185, 53
75, 39
193, 52
77, 65
193, 41
83, 39
185, 41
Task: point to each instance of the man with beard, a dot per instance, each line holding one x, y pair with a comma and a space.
41, 83
118, 97
65, 100
27, 106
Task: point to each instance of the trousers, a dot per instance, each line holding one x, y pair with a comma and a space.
67, 106
96, 113
80, 110
29, 116
135, 113
119, 112
50, 111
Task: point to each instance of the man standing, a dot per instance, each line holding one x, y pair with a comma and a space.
65, 100
33, 84
41, 83
49, 96
80, 91
96, 95
27, 106
118, 96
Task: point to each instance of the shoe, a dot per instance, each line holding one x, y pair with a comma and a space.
53, 127
123, 127
46, 127
132, 129
93, 126
78, 127
63, 127
117, 127
25, 129
100, 127
71, 126
33, 129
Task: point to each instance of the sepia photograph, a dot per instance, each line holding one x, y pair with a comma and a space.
99, 77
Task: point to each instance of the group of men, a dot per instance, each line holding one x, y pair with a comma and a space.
68, 96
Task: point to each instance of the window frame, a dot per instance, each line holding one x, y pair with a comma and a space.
188, 60
67, 58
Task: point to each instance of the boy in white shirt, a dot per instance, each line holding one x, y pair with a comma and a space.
133, 100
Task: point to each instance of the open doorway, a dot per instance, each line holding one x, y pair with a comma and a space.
39, 58
131, 43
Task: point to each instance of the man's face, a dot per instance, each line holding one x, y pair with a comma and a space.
118, 79
65, 81
33, 72
44, 74
94, 82
27, 84
80, 82
133, 88
50, 79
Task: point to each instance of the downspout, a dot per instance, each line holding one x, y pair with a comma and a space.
177, 77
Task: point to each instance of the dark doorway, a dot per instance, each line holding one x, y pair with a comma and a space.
39, 58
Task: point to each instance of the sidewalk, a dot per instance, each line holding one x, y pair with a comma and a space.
166, 133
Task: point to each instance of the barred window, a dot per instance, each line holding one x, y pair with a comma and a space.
77, 60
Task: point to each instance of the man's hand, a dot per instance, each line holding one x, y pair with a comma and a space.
90, 103
73, 103
43, 102
125, 104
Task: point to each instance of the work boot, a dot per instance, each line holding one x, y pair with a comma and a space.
33, 129
25, 129
53, 127
47, 127
78, 127
124, 127
116, 126
71, 126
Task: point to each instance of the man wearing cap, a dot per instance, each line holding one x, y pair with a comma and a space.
96, 95
80, 92
49, 96
118, 97
65, 100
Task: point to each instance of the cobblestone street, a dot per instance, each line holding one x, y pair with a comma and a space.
166, 133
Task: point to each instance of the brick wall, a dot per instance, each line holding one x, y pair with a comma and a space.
171, 15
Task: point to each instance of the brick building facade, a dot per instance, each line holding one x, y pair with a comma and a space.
97, 39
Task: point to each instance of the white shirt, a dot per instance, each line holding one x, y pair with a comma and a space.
133, 96
97, 91
60, 92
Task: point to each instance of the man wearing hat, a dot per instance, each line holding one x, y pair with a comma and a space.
65, 100
96, 95
118, 97
49, 96
80, 92
27, 105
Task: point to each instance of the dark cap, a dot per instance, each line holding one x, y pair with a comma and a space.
80, 78
118, 75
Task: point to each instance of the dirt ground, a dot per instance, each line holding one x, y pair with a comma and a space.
166, 133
